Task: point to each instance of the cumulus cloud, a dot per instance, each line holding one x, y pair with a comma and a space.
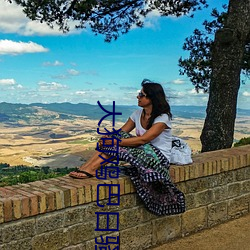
13, 20
246, 93
7, 82
19, 86
51, 86
73, 72
178, 81
10, 84
15, 48
80, 92
55, 63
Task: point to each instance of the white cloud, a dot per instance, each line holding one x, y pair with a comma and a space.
10, 84
55, 63
15, 48
80, 92
19, 86
178, 81
51, 86
246, 93
13, 20
73, 72
7, 82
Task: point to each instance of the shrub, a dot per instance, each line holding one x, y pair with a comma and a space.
22, 174
242, 142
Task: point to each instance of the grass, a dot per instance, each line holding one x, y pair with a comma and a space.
23, 174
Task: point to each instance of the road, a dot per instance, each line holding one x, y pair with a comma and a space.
232, 235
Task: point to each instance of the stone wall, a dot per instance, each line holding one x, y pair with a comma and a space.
60, 213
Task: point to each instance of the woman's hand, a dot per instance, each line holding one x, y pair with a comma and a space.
107, 141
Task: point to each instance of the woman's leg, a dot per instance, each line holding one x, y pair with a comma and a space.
91, 165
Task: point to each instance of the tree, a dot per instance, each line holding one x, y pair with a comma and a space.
113, 17
219, 126
108, 17
227, 57
198, 65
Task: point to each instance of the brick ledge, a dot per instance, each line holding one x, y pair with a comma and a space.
25, 200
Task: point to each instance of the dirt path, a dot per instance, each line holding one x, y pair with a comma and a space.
233, 235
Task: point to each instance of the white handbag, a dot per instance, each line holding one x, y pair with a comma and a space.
180, 152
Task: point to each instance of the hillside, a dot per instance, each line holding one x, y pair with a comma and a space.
38, 111
64, 134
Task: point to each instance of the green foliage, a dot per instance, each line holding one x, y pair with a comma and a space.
109, 17
23, 174
242, 142
198, 66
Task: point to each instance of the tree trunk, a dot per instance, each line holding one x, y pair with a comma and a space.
227, 56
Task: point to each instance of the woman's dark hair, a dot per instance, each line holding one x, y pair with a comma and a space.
155, 93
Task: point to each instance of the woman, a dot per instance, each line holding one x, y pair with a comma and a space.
148, 152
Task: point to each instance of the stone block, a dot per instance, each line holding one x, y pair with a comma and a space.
130, 217
245, 186
247, 171
18, 230
77, 247
1, 212
90, 245
89, 211
234, 189
217, 213
220, 193
166, 228
196, 185
73, 216
190, 203
225, 178
240, 174
53, 240
136, 238
1, 235
238, 206
24, 244
194, 220
49, 222
82, 232
127, 201
181, 186
203, 198
107, 223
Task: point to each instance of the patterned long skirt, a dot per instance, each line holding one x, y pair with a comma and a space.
149, 172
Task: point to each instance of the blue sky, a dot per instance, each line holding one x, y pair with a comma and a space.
38, 64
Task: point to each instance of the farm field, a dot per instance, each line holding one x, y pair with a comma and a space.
70, 142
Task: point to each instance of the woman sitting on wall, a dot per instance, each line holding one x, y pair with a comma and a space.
148, 153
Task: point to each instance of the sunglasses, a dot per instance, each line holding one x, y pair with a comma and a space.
140, 94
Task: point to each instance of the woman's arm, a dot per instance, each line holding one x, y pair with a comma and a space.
128, 126
151, 134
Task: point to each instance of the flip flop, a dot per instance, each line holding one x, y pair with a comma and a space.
87, 175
